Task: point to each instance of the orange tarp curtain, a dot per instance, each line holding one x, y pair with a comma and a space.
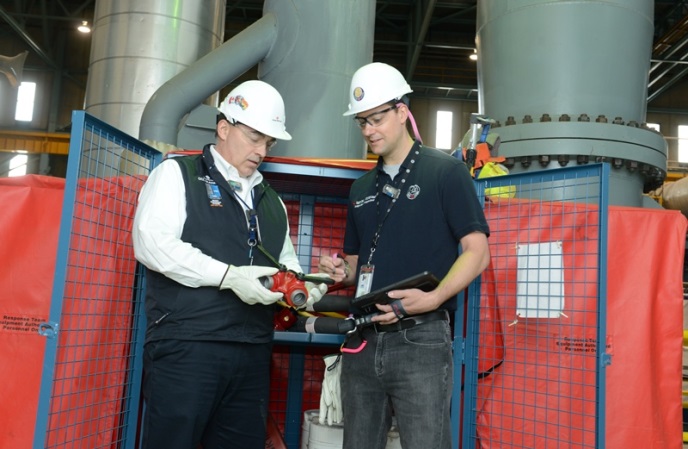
644, 318
29, 223
544, 392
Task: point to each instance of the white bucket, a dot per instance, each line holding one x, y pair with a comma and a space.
322, 436
306, 426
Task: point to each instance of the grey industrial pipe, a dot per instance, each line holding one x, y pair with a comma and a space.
168, 105
567, 80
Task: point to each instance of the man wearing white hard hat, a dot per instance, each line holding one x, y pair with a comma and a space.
408, 215
207, 228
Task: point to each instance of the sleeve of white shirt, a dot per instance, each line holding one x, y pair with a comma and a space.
288, 255
158, 225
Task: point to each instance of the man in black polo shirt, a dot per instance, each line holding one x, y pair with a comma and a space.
407, 215
207, 228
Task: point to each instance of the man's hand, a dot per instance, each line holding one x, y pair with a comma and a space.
316, 290
336, 267
403, 303
245, 282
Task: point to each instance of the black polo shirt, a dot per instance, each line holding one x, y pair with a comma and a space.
437, 206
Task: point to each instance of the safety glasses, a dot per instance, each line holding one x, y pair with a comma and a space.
375, 119
255, 138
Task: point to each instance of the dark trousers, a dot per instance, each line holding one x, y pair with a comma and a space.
409, 372
204, 392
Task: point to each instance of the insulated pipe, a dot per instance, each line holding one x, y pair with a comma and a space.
138, 45
168, 105
320, 46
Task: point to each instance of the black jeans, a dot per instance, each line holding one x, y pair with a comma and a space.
207, 392
409, 373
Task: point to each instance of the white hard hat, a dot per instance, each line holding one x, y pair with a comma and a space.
258, 105
375, 84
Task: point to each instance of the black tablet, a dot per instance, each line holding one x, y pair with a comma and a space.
425, 281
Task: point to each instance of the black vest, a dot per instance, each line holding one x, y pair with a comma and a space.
216, 224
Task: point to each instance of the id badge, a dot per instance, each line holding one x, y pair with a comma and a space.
365, 280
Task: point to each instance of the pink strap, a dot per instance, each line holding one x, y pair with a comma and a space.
413, 124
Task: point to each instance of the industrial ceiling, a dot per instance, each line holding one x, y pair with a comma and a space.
428, 40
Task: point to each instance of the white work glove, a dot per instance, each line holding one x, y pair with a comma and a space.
330, 395
315, 290
245, 282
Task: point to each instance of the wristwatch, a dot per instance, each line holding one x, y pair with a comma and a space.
347, 268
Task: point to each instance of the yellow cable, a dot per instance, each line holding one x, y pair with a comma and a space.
334, 314
305, 313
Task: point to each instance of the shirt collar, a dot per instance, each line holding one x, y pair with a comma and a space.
230, 173
407, 160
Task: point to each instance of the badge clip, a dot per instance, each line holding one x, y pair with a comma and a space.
390, 191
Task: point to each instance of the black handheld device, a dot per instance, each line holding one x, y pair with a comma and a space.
425, 281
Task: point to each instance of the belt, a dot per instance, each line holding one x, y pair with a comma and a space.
411, 321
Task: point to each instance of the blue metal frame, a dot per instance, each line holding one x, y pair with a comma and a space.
311, 170
297, 353
470, 359
300, 341
461, 342
133, 400
465, 348
81, 124
604, 358
50, 329
468, 353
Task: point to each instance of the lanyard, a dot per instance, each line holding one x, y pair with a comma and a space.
393, 193
254, 233
252, 224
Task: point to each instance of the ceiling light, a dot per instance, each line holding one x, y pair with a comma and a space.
84, 28
474, 55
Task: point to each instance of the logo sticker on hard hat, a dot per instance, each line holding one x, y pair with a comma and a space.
358, 94
239, 101
413, 192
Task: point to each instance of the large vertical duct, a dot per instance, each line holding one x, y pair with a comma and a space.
182, 95
307, 49
320, 45
567, 82
138, 45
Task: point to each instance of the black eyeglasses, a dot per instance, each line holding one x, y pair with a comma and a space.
255, 138
375, 119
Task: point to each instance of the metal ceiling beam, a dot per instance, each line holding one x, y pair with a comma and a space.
675, 48
53, 18
674, 79
661, 75
34, 46
454, 17
678, 30
19, 29
83, 6
436, 90
669, 61
420, 38
47, 26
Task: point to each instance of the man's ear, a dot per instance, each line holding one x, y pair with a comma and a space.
222, 129
403, 112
